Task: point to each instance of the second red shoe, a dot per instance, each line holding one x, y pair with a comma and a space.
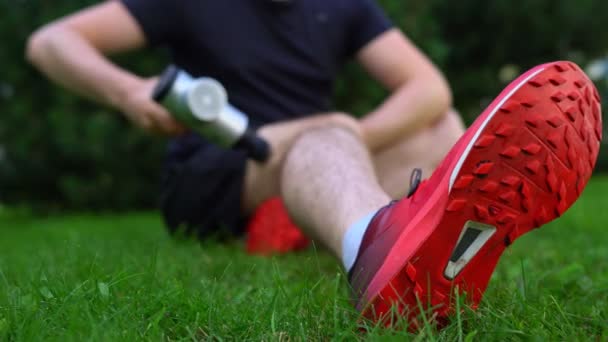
271, 231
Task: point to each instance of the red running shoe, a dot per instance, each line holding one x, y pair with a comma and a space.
271, 231
522, 163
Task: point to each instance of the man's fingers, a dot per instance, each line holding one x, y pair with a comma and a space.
165, 123
145, 123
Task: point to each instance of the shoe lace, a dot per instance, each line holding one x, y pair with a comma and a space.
415, 179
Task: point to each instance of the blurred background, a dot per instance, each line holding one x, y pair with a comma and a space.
58, 152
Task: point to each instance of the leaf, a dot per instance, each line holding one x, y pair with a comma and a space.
104, 289
156, 318
469, 337
46, 293
4, 327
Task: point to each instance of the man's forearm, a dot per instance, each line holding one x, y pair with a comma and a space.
416, 104
68, 59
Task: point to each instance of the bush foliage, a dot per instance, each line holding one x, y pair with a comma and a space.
58, 151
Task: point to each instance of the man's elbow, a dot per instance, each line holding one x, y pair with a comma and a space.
36, 45
439, 97
39, 43
443, 95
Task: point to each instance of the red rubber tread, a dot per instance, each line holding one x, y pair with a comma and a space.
527, 167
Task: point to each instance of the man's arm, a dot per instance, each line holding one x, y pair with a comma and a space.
71, 50
419, 93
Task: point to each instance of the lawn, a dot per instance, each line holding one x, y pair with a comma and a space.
122, 278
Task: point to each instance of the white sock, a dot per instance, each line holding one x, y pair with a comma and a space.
352, 240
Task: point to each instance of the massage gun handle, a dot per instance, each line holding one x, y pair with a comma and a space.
165, 82
256, 147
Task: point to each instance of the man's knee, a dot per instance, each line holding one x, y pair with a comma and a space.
345, 121
333, 128
326, 136
339, 131
263, 180
339, 126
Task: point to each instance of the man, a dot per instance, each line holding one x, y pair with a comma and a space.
338, 175
278, 61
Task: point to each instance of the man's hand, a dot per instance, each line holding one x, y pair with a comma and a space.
138, 106
71, 51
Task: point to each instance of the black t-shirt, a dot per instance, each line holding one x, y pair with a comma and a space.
277, 61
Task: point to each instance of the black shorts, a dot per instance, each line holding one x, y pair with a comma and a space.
201, 192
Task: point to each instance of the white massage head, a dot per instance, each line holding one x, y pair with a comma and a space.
207, 99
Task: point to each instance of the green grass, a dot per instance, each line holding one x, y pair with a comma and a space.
122, 278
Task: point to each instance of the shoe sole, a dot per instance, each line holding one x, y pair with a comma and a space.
532, 153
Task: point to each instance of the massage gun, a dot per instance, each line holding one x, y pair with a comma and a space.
202, 105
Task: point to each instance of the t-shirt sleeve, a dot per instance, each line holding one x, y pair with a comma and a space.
368, 21
157, 19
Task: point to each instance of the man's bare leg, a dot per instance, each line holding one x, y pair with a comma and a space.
262, 180
328, 183
393, 165
424, 150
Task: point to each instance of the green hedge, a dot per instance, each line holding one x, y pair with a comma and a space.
60, 152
